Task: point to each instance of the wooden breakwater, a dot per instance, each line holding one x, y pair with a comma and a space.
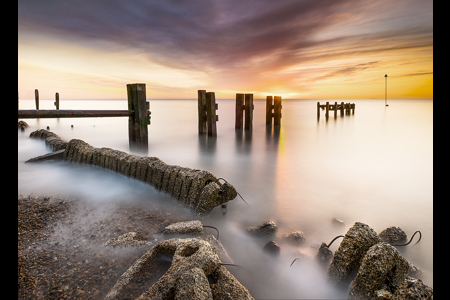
138, 114
199, 190
343, 108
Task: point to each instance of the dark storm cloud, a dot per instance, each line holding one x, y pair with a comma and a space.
212, 36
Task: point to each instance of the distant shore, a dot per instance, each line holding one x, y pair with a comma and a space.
60, 244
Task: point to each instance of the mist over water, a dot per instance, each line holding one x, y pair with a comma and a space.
373, 167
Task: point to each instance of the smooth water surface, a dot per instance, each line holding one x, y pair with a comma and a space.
374, 166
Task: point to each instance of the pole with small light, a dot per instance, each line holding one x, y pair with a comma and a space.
385, 89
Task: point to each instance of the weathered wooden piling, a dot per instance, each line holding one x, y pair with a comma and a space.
138, 121
239, 111
207, 116
244, 103
36, 98
202, 126
248, 112
56, 103
211, 116
269, 109
277, 110
273, 110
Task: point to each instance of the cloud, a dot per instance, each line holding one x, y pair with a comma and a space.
235, 39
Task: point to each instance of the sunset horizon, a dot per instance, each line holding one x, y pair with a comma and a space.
294, 49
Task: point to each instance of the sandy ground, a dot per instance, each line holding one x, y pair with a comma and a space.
60, 244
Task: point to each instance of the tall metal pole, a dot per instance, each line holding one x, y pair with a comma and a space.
385, 89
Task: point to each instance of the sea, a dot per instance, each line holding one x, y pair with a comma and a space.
374, 166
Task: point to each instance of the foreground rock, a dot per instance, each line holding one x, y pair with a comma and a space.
263, 229
295, 238
393, 234
199, 190
324, 255
347, 258
129, 239
192, 262
383, 267
413, 289
378, 268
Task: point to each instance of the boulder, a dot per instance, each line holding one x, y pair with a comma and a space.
195, 272
194, 227
295, 238
382, 265
413, 289
263, 229
324, 255
347, 258
392, 234
129, 239
272, 248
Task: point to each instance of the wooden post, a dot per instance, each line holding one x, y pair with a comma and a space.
269, 110
327, 108
335, 109
248, 112
57, 100
202, 112
211, 113
36, 98
277, 111
342, 109
138, 121
353, 108
318, 110
239, 111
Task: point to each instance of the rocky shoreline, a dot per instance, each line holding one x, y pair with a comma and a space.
71, 248
60, 244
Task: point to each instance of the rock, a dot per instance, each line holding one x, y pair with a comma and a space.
227, 287
392, 235
266, 228
22, 125
129, 239
295, 238
194, 227
347, 258
193, 284
381, 265
192, 262
324, 255
413, 289
272, 248
337, 222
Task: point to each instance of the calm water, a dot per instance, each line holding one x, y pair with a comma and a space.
373, 167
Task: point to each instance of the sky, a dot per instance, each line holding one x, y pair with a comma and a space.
297, 49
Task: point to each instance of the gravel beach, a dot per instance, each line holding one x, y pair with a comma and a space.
60, 244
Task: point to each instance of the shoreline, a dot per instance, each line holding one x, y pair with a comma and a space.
60, 244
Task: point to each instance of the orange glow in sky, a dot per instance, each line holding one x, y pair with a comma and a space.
295, 49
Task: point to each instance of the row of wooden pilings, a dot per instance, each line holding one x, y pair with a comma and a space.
138, 114
207, 116
343, 108
36, 100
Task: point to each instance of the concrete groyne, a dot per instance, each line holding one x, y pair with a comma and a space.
199, 190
